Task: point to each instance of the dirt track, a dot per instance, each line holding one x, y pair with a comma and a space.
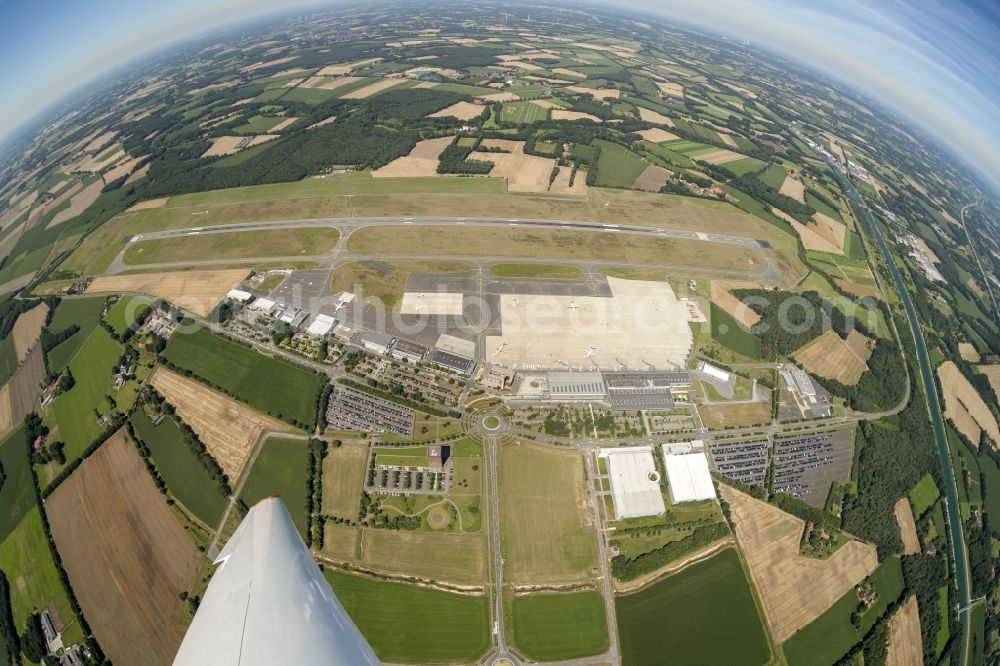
125, 553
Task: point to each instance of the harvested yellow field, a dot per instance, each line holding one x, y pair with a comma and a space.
831, 357
670, 88
148, 204
138, 174
907, 527
650, 116
794, 590
501, 97
855, 289
922, 244
422, 160
904, 648
568, 72
287, 122
335, 70
720, 157
811, 238
723, 297
726, 415
327, 83
6, 411
656, 135
524, 173
123, 168
508, 145
426, 85
262, 65
545, 104
964, 407
830, 229
460, 110
99, 142
992, 373
597, 93
365, 92
229, 429
325, 121
968, 352
197, 291
793, 187
79, 203
561, 183
562, 114
728, 140
226, 145
27, 328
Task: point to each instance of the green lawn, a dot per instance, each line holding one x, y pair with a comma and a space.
409, 624
831, 635
706, 614
553, 627
73, 411
536, 271
128, 311
31, 571
84, 312
730, 333
523, 112
182, 471
280, 469
923, 495
272, 386
617, 166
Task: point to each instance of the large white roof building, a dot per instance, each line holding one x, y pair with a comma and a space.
635, 483
688, 477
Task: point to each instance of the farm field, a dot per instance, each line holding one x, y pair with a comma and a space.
550, 244
236, 245
992, 372
524, 173
832, 357
197, 291
730, 333
343, 480
73, 411
280, 469
830, 636
126, 555
723, 415
84, 312
964, 406
405, 623
794, 589
182, 471
26, 330
704, 614
548, 533
17, 493
461, 111
421, 161
617, 166
371, 284
19, 395
523, 112
126, 313
923, 495
904, 635
283, 390
229, 429
555, 627
907, 527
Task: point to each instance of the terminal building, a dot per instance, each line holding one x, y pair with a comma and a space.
576, 386
635, 483
449, 361
409, 352
622, 391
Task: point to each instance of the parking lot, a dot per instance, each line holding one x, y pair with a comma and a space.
745, 461
352, 410
805, 466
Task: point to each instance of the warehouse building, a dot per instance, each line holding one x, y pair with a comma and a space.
408, 352
443, 359
635, 483
376, 342
576, 386
688, 477
321, 325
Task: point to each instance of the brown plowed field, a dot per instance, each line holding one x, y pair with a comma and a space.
907, 528
228, 429
794, 589
652, 179
125, 553
19, 395
904, 636
27, 328
197, 291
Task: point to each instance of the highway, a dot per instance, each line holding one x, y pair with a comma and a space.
959, 553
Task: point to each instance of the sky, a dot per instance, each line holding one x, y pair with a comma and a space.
936, 62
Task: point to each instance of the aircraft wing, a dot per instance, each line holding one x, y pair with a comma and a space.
268, 603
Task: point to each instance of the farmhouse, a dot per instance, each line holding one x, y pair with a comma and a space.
688, 478
409, 352
376, 342
635, 483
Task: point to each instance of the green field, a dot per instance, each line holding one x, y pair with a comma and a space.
409, 624
126, 312
385, 282
265, 383
536, 271
706, 614
522, 112
831, 635
267, 243
554, 627
617, 166
991, 487
17, 494
923, 495
182, 471
730, 333
280, 469
773, 176
8, 359
85, 313
258, 125
73, 411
